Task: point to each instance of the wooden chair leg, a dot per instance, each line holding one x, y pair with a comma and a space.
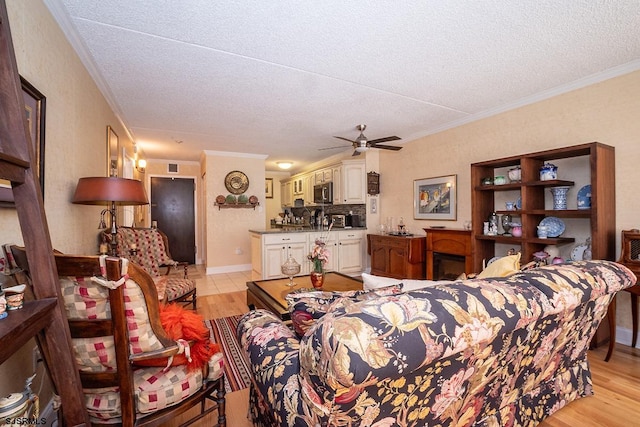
611, 316
220, 399
634, 318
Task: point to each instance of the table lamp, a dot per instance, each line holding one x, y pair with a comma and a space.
110, 191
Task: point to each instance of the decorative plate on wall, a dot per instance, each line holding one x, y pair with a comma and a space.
236, 182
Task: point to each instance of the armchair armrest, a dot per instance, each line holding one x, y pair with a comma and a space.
273, 351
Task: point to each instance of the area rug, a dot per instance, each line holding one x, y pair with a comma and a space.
236, 369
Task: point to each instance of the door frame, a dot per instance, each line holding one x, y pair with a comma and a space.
196, 195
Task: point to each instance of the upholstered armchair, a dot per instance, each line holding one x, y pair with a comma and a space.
132, 371
149, 248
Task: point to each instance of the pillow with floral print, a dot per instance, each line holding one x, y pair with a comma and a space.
308, 306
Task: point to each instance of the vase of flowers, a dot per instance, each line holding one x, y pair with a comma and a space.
319, 257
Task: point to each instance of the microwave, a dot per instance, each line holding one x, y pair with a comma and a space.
323, 193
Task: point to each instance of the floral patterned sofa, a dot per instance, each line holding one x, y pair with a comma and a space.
503, 351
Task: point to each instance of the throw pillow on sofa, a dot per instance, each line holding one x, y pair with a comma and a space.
501, 267
307, 307
371, 282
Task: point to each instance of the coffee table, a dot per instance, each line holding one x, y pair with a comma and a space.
270, 294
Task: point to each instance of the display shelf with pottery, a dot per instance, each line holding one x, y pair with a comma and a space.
584, 197
554, 226
239, 202
543, 175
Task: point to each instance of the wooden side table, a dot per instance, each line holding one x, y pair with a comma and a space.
400, 257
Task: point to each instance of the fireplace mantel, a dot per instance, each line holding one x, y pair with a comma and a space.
448, 241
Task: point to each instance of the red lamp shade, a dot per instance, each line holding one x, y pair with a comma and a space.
110, 190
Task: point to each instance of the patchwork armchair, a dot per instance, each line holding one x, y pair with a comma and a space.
149, 248
132, 371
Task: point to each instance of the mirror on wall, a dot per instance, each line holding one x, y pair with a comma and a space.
113, 145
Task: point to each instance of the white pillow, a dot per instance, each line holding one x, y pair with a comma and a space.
374, 282
371, 282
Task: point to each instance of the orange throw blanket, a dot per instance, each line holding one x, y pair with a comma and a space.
180, 323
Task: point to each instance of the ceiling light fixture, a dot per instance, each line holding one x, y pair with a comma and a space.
284, 165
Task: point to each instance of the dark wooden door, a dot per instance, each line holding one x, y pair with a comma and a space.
173, 208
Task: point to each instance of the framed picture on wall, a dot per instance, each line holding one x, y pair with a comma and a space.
435, 198
34, 107
268, 188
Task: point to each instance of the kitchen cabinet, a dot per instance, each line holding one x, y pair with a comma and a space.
354, 182
397, 256
331, 242
286, 192
323, 175
276, 250
270, 250
336, 172
298, 188
350, 251
307, 188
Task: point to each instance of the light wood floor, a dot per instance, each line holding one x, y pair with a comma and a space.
616, 383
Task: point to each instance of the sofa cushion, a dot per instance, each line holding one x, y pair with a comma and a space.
376, 282
307, 307
501, 267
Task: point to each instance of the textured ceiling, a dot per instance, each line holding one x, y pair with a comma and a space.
281, 78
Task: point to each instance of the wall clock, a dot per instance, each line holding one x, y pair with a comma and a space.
236, 182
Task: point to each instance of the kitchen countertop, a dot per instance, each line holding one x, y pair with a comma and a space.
300, 229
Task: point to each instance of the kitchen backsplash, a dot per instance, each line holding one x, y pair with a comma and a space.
360, 210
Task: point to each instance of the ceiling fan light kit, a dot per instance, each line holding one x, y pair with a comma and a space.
362, 144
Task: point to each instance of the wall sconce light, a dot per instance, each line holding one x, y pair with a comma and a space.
141, 165
284, 165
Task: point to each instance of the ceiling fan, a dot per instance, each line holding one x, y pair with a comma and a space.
361, 143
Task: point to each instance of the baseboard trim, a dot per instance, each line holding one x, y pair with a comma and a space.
624, 335
228, 269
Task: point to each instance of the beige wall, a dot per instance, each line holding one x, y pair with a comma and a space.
608, 112
76, 119
77, 116
228, 244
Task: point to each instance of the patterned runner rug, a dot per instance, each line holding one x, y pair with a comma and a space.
237, 371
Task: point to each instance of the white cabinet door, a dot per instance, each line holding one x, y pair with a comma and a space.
323, 175
307, 188
286, 189
276, 250
337, 185
354, 185
350, 252
331, 242
273, 258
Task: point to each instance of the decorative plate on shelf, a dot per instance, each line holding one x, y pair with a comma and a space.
555, 226
236, 182
584, 197
578, 252
519, 203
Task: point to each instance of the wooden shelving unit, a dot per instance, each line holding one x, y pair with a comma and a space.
43, 318
601, 216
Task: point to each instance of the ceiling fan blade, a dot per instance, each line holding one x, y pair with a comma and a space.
345, 139
386, 147
387, 139
344, 147
355, 153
